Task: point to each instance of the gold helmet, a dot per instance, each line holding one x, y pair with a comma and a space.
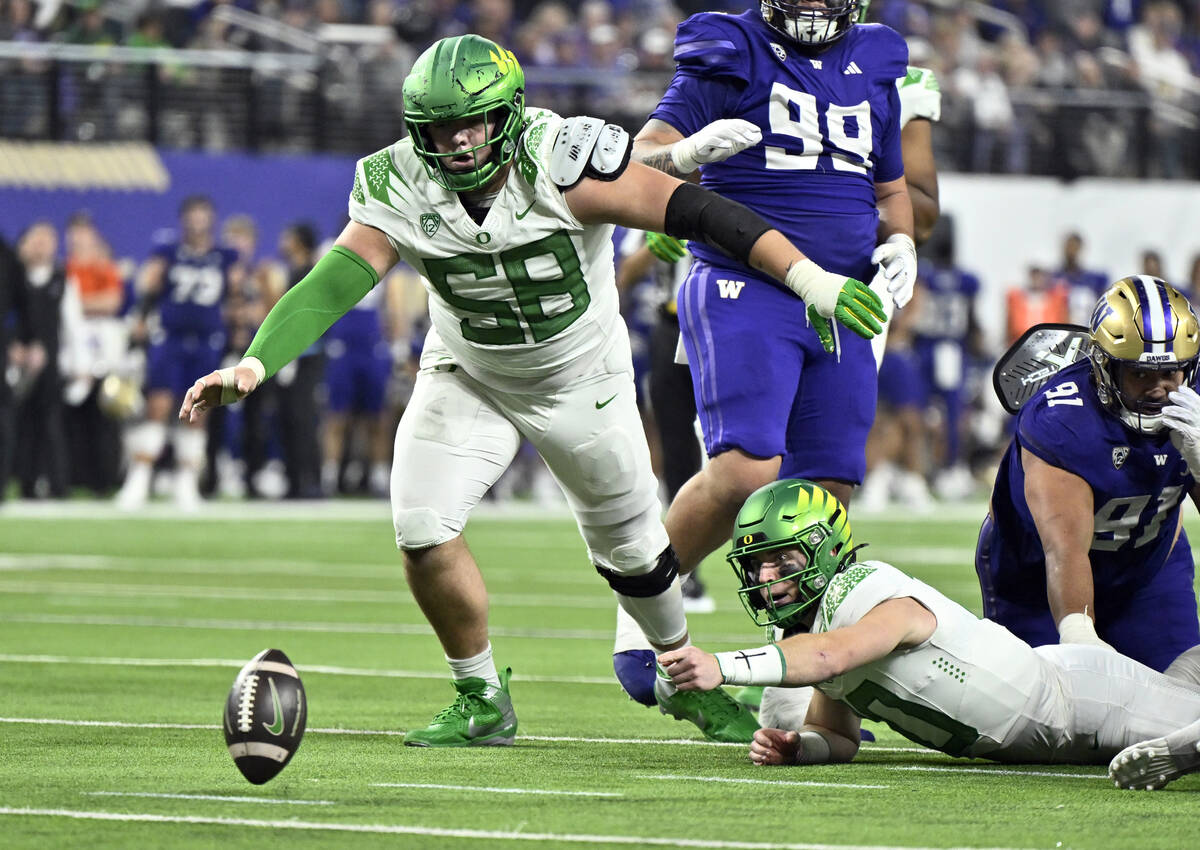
121, 398
1144, 323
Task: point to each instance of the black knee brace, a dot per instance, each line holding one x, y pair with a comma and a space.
645, 584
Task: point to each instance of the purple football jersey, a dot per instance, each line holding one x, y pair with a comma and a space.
194, 289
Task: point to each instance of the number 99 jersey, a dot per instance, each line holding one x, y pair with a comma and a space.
524, 301
1145, 605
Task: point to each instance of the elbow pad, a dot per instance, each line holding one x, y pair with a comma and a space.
730, 227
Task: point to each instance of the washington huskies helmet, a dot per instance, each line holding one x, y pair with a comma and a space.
813, 26
1143, 323
465, 77
789, 514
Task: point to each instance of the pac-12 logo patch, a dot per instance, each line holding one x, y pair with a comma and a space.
780, 53
430, 222
1120, 453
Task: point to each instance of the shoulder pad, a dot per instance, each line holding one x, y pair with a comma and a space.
711, 44
587, 147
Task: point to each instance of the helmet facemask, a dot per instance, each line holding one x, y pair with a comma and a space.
503, 127
811, 26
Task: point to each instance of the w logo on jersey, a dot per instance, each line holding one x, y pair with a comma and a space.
1160, 460
430, 222
1120, 453
730, 288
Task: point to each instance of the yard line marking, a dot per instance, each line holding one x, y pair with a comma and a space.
545, 791
305, 669
387, 597
218, 797
985, 771
789, 783
422, 629
441, 832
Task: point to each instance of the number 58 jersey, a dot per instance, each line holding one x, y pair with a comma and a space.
524, 301
1137, 482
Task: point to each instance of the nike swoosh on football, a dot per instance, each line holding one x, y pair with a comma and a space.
521, 215
601, 404
276, 725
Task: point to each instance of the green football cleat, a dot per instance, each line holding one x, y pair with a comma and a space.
716, 713
481, 716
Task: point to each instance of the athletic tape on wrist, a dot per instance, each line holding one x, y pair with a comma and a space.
814, 749
762, 666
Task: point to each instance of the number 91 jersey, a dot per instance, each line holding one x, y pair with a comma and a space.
1137, 483
524, 301
830, 121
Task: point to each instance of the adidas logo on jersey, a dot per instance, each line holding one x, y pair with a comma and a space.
730, 288
852, 68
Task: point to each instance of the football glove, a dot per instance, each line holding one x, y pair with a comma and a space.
1182, 416
666, 248
897, 261
715, 142
834, 296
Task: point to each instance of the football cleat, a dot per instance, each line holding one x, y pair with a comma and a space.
1150, 765
481, 715
714, 712
635, 672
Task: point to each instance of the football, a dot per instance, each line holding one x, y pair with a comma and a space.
264, 716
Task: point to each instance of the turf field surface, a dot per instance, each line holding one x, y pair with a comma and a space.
120, 637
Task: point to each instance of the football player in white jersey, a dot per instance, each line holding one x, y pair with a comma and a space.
882, 645
507, 213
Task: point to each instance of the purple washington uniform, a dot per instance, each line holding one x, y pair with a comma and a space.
941, 342
830, 123
190, 314
358, 361
1143, 575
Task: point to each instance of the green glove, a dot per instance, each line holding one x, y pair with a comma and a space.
858, 308
666, 248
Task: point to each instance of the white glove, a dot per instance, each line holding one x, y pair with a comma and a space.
1182, 416
714, 143
897, 261
1079, 628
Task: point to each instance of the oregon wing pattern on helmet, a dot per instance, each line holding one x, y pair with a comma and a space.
465, 77
1143, 323
792, 513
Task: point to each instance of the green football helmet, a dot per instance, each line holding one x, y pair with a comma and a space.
465, 77
789, 514
864, 6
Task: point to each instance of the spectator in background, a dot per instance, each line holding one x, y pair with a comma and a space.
41, 460
1042, 299
23, 98
1083, 285
13, 351
1164, 72
1152, 264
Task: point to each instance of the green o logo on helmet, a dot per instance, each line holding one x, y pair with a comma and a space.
459, 78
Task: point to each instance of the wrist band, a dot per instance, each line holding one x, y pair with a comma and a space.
762, 666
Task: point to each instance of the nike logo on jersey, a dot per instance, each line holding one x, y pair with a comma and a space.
600, 405
730, 288
852, 68
522, 215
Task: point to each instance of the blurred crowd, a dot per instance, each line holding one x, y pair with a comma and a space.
1103, 87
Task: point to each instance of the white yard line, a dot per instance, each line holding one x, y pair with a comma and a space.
788, 783
217, 797
486, 790
480, 834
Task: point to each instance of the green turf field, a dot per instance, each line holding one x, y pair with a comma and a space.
119, 640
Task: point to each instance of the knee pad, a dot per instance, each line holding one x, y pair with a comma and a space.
419, 528
635, 671
653, 582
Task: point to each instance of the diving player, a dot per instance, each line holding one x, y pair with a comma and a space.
507, 214
1083, 541
879, 644
187, 283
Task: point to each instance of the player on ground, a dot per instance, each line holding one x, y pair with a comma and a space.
882, 645
1083, 541
507, 214
187, 283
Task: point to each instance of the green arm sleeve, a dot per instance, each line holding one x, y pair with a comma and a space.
336, 283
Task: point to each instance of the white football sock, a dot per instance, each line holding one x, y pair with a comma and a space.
480, 666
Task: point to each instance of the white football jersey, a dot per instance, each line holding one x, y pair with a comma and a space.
965, 691
525, 301
920, 96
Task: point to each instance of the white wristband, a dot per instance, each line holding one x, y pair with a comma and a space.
762, 666
814, 749
816, 286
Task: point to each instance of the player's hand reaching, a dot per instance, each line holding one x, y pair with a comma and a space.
833, 296
666, 248
224, 386
775, 746
715, 142
1182, 416
692, 669
897, 261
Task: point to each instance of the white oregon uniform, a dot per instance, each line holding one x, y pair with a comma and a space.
526, 341
975, 689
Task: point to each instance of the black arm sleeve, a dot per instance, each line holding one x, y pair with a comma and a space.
730, 227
